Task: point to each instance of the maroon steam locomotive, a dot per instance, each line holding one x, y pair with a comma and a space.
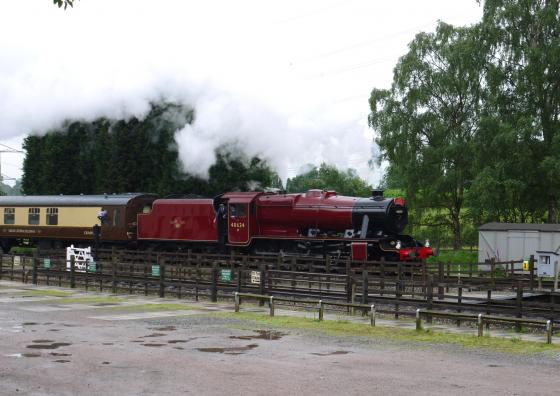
315, 223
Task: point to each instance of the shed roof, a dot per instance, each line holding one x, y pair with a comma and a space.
519, 227
70, 200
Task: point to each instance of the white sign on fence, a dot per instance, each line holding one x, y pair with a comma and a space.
255, 277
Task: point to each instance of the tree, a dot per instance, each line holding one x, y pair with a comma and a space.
329, 178
133, 155
428, 119
523, 40
64, 3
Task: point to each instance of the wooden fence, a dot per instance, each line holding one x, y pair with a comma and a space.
396, 288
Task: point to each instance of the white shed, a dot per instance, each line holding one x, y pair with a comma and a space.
516, 241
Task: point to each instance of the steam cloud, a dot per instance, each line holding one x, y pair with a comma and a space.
112, 59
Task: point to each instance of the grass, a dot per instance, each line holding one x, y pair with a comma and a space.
88, 300
50, 293
344, 328
455, 257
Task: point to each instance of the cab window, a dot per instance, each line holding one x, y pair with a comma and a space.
238, 210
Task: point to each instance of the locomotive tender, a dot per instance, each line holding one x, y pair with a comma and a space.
313, 223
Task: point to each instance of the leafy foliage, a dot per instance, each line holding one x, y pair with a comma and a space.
64, 3
327, 177
427, 121
106, 156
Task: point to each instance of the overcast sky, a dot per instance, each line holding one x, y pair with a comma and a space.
286, 80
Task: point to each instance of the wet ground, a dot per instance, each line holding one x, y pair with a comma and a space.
71, 345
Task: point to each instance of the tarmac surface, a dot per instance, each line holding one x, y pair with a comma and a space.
56, 341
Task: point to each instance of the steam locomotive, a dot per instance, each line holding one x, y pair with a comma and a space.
317, 223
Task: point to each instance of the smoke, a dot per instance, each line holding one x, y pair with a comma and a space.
254, 72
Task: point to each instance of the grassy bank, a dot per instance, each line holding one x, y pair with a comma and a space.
345, 328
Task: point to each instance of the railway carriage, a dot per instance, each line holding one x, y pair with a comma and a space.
60, 220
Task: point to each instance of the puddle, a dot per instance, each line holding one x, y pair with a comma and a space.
494, 365
42, 341
29, 323
54, 330
69, 325
62, 361
181, 341
154, 335
230, 350
108, 343
48, 323
137, 341
332, 353
153, 345
18, 355
165, 328
105, 362
60, 354
54, 345
261, 335
181, 348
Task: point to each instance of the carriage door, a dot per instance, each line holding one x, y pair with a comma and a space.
238, 222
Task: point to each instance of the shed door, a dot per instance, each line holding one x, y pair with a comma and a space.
238, 222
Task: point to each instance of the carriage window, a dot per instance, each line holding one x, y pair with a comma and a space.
9, 215
52, 216
238, 210
116, 217
34, 214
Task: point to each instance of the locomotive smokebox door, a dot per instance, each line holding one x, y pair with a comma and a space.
238, 222
359, 251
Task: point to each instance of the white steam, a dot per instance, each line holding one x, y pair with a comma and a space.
275, 79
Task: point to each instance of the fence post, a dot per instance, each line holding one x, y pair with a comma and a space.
271, 303
262, 284
348, 283
114, 269
549, 331
365, 285
161, 263
382, 275
236, 301
519, 300
532, 272
372, 319
418, 320
320, 310
214, 285
72, 271
430, 292
440, 281
239, 279
459, 302
493, 271
480, 327
34, 275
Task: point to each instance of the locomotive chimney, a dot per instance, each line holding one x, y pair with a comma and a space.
377, 194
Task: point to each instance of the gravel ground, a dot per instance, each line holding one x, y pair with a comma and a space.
51, 348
